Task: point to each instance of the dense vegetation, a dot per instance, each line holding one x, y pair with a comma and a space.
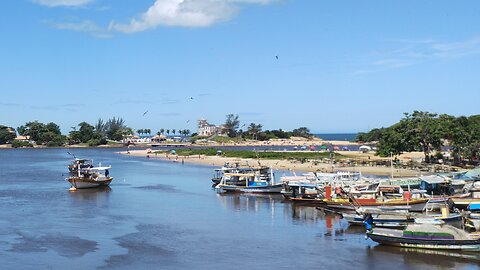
50, 135
257, 154
7, 134
428, 132
43, 134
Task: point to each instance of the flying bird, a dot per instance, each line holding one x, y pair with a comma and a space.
191, 98
276, 56
145, 113
188, 121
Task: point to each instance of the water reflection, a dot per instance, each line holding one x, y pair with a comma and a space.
438, 258
100, 194
250, 202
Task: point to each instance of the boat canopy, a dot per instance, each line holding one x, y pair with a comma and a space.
99, 168
433, 179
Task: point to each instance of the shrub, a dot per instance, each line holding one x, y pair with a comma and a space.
18, 143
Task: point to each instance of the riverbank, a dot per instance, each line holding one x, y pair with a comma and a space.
292, 165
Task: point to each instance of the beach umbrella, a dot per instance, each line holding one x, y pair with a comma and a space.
336, 148
345, 148
323, 147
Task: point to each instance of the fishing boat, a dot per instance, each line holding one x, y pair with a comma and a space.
229, 169
381, 196
254, 183
85, 175
399, 218
426, 236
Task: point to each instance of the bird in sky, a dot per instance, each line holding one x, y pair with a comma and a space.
145, 113
276, 56
188, 121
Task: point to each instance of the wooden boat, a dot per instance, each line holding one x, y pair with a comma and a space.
415, 205
88, 176
307, 201
426, 236
400, 218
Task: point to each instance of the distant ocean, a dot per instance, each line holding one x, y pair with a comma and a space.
337, 136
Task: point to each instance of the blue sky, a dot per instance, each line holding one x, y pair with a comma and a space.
343, 66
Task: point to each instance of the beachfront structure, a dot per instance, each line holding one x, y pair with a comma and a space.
136, 139
207, 129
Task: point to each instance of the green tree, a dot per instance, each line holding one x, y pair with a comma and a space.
33, 130
115, 129
425, 131
254, 130
162, 130
7, 134
231, 125
302, 132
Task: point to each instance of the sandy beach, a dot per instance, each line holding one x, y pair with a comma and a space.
279, 164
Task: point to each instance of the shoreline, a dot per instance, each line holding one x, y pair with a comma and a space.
274, 164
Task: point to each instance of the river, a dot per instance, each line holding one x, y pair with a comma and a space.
162, 215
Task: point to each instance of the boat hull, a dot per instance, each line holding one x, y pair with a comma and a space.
414, 205
252, 189
80, 183
466, 245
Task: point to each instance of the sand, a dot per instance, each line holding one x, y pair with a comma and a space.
278, 164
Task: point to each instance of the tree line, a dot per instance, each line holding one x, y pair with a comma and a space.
428, 132
100, 133
253, 131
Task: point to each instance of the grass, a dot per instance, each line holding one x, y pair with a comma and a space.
259, 154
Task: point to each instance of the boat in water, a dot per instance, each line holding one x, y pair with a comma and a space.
254, 183
230, 170
426, 236
84, 175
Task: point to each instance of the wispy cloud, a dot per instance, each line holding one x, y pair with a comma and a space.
65, 3
86, 26
57, 107
412, 52
184, 13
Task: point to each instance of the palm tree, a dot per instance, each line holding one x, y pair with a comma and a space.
187, 132
168, 132
173, 131
139, 132
162, 130
253, 130
148, 131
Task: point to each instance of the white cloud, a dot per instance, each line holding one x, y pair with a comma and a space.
421, 51
88, 27
66, 3
185, 13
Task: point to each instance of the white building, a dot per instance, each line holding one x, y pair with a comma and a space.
206, 129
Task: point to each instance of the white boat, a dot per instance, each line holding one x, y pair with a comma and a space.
89, 176
254, 183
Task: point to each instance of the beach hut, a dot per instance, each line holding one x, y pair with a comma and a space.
365, 148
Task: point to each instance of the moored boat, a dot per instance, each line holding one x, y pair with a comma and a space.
85, 175
426, 236
254, 183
